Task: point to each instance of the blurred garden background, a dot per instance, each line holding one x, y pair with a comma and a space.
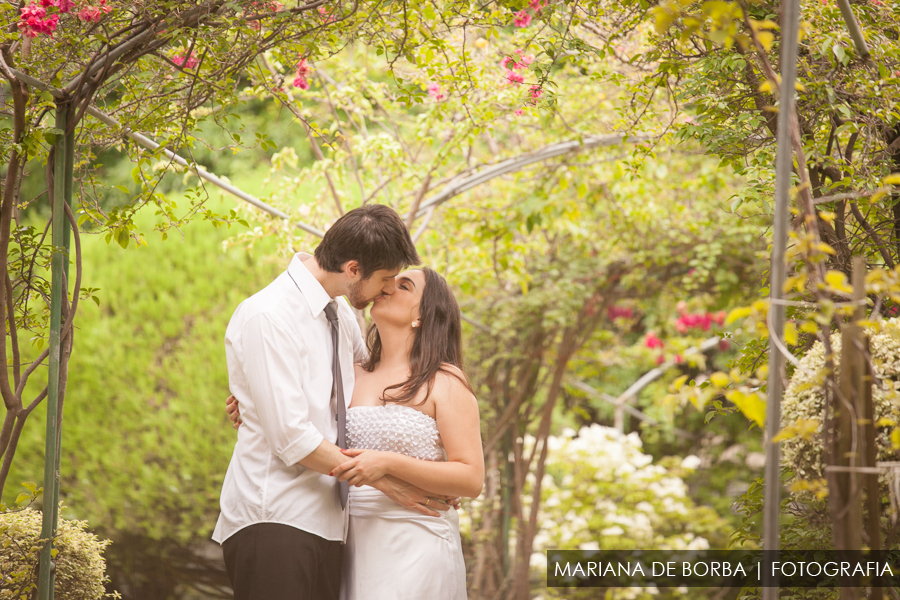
594, 179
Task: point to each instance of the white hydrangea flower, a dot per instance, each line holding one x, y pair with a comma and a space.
690, 462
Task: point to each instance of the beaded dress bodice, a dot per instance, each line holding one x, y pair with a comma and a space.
394, 428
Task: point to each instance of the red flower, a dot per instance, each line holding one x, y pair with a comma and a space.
651, 341
660, 359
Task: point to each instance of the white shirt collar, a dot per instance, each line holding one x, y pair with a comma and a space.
315, 294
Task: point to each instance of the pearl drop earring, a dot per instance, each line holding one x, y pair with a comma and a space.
415, 324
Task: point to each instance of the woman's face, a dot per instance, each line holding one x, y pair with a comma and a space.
400, 309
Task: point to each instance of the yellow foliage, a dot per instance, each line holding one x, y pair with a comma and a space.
837, 281
892, 179
720, 379
751, 404
804, 428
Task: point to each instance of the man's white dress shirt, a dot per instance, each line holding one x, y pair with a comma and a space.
278, 349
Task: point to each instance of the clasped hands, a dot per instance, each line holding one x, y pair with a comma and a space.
367, 466
364, 467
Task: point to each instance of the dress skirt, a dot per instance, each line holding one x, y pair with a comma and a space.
395, 553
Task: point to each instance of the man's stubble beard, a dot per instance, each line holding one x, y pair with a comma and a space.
355, 296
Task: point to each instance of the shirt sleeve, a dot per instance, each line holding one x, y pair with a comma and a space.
273, 365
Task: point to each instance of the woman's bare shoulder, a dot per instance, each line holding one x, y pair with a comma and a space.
450, 384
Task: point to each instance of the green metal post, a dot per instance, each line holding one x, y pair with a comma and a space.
57, 269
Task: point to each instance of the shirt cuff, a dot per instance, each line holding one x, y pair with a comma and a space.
302, 447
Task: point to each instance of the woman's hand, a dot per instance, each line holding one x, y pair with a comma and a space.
234, 413
364, 467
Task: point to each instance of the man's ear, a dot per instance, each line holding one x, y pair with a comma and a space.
352, 270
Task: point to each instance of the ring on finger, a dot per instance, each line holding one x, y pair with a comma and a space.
427, 500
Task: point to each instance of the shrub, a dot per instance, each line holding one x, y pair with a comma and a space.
803, 405
80, 567
601, 492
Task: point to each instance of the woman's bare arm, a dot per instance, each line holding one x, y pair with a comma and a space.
462, 474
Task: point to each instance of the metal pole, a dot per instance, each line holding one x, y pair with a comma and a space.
855, 32
783, 175
51, 452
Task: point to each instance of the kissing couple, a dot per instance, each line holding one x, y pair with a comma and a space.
319, 410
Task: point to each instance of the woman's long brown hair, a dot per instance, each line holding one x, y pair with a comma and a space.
438, 342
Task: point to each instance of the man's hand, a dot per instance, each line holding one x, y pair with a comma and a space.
364, 467
409, 496
234, 413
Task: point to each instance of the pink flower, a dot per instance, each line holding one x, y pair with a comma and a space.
511, 62
513, 77
527, 59
34, 21
434, 90
651, 341
614, 312
678, 359
64, 6
303, 69
185, 62
698, 321
536, 5
90, 14
326, 13
660, 359
520, 112
523, 19
724, 345
535, 92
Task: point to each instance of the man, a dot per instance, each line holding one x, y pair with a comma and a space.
282, 523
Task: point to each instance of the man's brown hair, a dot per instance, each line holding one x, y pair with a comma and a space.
374, 235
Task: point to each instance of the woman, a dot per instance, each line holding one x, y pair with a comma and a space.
412, 415
411, 404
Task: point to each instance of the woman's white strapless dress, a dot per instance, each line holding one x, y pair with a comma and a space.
394, 553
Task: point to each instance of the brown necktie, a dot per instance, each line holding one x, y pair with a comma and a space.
337, 389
